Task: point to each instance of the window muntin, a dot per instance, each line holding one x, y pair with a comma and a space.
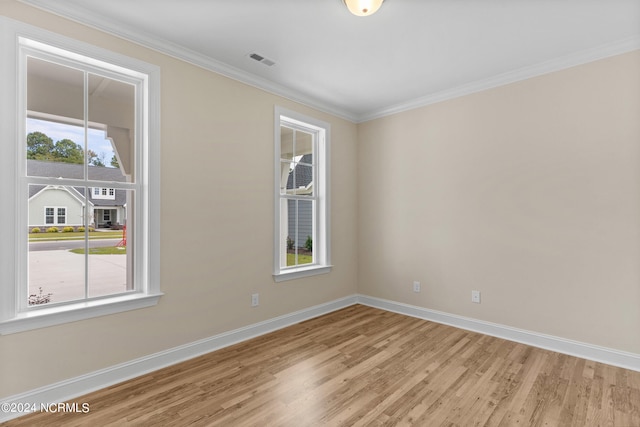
103, 193
49, 216
20, 42
55, 215
62, 216
297, 148
80, 90
302, 196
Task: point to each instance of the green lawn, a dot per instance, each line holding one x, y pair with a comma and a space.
302, 259
109, 250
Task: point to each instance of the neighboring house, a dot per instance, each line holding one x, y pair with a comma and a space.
61, 206
303, 179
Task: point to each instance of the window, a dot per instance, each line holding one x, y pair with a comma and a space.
62, 215
49, 217
104, 193
76, 108
301, 244
55, 216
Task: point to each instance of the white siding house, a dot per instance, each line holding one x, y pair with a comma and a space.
63, 206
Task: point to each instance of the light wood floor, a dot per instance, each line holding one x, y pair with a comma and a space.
365, 367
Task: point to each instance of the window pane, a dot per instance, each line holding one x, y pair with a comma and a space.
111, 149
303, 179
62, 216
286, 143
55, 273
304, 145
49, 217
286, 178
111, 260
57, 90
299, 232
305, 232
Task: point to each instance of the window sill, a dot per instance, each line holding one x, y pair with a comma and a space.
70, 313
296, 273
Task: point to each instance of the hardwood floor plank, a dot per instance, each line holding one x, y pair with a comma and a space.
362, 366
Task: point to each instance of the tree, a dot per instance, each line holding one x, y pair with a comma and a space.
39, 146
68, 151
114, 162
94, 159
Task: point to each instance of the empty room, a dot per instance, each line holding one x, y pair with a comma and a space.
320, 212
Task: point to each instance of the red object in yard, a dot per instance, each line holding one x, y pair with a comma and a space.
123, 242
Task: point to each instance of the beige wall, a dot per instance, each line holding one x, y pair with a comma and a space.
217, 225
529, 193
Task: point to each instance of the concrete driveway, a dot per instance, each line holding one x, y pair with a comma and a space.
61, 273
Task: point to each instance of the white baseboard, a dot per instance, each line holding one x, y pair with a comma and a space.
70, 389
548, 342
67, 390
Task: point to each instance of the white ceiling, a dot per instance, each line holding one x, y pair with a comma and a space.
410, 53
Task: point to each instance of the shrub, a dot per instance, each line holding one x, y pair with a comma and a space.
91, 229
289, 243
40, 298
80, 229
308, 245
35, 230
52, 230
68, 230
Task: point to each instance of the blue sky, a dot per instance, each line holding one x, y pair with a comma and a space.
59, 131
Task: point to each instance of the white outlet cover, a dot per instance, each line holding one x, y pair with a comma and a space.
475, 297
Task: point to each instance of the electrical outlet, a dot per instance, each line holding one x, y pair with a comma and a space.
255, 300
475, 297
416, 286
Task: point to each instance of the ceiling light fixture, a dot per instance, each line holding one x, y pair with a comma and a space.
363, 7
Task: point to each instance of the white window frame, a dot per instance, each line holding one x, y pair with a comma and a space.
322, 228
14, 317
56, 215
103, 193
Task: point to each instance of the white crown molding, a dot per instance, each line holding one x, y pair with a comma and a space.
179, 52
561, 345
558, 64
67, 390
184, 54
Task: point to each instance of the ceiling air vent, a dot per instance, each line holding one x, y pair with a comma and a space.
262, 59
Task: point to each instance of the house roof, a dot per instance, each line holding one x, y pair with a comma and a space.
75, 171
304, 175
